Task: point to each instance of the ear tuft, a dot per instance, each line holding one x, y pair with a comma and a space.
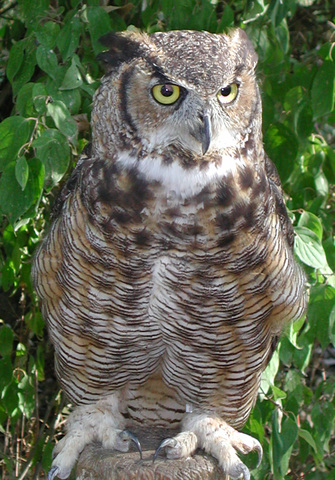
122, 47
246, 47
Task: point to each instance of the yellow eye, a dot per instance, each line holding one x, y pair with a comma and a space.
228, 94
166, 94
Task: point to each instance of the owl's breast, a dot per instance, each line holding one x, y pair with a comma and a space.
223, 284
134, 283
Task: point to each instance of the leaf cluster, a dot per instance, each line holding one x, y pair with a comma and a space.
48, 75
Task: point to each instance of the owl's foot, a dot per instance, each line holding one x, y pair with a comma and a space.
180, 446
101, 422
217, 438
52, 473
123, 441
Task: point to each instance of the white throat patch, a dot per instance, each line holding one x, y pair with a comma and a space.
183, 182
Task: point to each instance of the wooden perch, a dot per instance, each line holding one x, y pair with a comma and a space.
97, 463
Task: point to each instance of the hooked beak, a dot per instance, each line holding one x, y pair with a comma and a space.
205, 133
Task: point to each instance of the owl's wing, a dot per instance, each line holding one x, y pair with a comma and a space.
70, 184
92, 282
66, 274
278, 194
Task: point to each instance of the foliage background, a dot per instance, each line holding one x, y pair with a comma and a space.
48, 73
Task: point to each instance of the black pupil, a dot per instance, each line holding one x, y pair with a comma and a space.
226, 91
167, 90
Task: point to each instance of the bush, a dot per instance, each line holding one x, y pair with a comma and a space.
49, 54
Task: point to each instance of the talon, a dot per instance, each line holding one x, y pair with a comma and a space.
52, 473
259, 451
238, 470
246, 473
168, 442
127, 435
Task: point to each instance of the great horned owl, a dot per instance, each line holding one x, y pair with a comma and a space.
168, 273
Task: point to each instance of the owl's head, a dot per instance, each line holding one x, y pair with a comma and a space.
180, 91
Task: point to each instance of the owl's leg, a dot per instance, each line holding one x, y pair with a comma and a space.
217, 438
101, 421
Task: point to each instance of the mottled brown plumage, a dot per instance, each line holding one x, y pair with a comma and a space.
168, 273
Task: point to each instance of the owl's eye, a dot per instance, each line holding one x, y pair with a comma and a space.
166, 94
228, 94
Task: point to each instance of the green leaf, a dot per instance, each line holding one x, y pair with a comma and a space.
255, 423
35, 323
227, 19
282, 147
40, 363
269, 374
319, 314
15, 61
22, 171
26, 395
323, 416
6, 340
21, 67
321, 184
33, 11
14, 133
14, 201
278, 394
302, 356
294, 385
24, 101
294, 329
312, 222
283, 36
6, 372
21, 350
8, 275
297, 104
304, 121
277, 11
329, 246
68, 38
47, 34
305, 434
62, 118
10, 399
39, 95
72, 78
323, 89
308, 247
71, 98
47, 61
98, 24
54, 152
332, 326
283, 437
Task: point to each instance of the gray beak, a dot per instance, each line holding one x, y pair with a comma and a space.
206, 133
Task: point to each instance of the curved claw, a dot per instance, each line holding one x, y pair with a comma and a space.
52, 473
237, 470
164, 443
245, 473
127, 435
259, 451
